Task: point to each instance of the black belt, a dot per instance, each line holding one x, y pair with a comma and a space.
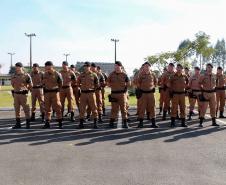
87, 91
195, 90
150, 91
118, 92
74, 86
20, 92
37, 87
65, 87
220, 88
98, 89
51, 90
176, 92
209, 91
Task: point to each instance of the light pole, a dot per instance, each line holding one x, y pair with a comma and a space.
66, 55
30, 36
115, 41
11, 58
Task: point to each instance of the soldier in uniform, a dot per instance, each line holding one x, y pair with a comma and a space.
52, 83
37, 91
161, 93
118, 81
75, 87
146, 83
208, 96
66, 91
21, 83
178, 84
220, 92
88, 82
166, 92
103, 85
194, 90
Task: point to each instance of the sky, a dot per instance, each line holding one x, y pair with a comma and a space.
84, 28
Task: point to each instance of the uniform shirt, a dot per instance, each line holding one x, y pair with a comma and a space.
147, 82
165, 81
88, 81
194, 82
101, 79
21, 81
207, 81
52, 80
37, 78
178, 82
220, 80
118, 81
68, 77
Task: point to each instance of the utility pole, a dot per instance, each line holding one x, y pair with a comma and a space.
66, 55
11, 58
30, 36
115, 41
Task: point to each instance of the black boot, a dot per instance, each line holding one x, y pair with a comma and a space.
189, 116
125, 124
153, 123
27, 123
111, 124
43, 117
214, 122
160, 110
164, 115
172, 122
148, 116
88, 117
201, 122
100, 118
183, 124
72, 116
104, 113
222, 114
169, 110
95, 126
140, 125
60, 125
33, 116
18, 124
47, 124
81, 126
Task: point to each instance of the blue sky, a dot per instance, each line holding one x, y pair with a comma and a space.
84, 28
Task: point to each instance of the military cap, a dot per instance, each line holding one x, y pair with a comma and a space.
118, 63
209, 64
171, 64
98, 67
197, 68
147, 63
87, 64
220, 68
179, 65
93, 65
186, 68
19, 64
65, 63
35, 65
72, 66
48, 63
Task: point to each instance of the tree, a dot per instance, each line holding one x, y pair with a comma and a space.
220, 53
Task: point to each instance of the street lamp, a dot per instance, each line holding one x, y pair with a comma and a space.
30, 36
115, 41
66, 55
11, 58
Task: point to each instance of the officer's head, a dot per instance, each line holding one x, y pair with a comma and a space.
170, 67
118, 66
179, 68
72, 67
147, 67
65, 65
219, 70
93, 67
19, 66
87, 66
99, 69
197, 70
35, 67
48, 66
186, 70
209, 68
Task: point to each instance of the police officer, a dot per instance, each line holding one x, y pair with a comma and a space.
166, 92
118, 81
161, 92
75, 87
88, 82
52, 83
66, 91
178, 85
194, 90
146, 83
208, 96
37, 91
103, 85
220, 92
21, 83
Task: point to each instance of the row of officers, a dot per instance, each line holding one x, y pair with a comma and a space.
52, 88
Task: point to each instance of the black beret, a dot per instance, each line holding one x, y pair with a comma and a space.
118, 63
179, 65
19, 64
72, 66
98, 67
209, 64
48, 63
87, 64
35, 65
65, 63
93, 65
197, 68
220, 68
187, 68
147, 63
171, 64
